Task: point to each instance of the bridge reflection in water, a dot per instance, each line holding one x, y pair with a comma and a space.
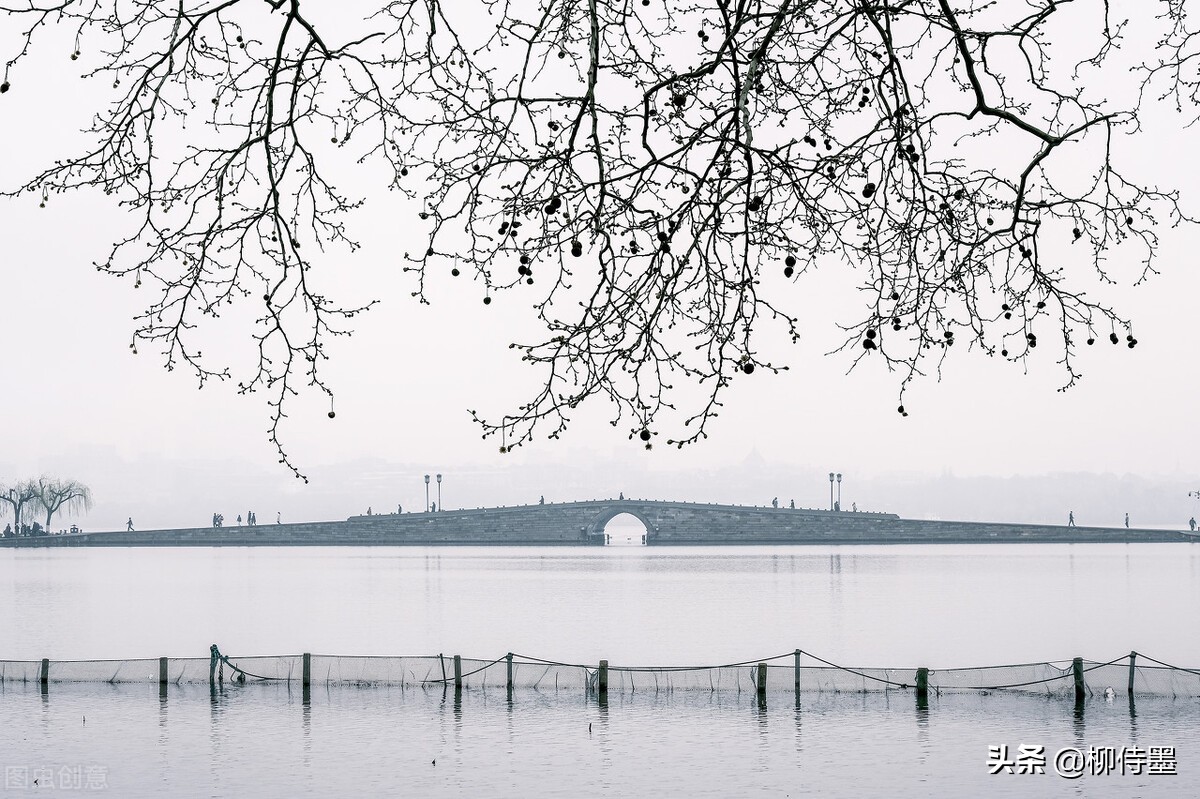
585, 523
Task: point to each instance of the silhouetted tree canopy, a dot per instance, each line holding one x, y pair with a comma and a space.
48, 494
15, 498
653, 174
55, 494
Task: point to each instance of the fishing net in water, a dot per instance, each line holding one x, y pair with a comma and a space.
789, 672
179, 670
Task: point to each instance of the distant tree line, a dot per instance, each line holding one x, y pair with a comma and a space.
26, 498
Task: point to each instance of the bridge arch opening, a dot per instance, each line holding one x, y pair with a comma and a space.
625, 530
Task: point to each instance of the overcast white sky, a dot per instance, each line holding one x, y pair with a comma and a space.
75, 402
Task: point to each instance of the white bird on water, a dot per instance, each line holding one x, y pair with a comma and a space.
1109, 693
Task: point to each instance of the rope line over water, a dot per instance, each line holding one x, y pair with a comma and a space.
856, 672
1168, 665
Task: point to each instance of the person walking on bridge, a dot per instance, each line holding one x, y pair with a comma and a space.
1071, 519
1192, 523
1126, 521
129, 524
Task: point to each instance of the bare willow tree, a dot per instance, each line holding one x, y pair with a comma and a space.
55, 494
15, 497
665, 169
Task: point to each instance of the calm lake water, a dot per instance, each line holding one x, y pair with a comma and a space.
936, 606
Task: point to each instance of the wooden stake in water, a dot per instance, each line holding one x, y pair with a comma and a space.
602, 678
797, 669
162, 671
1077, 668
457, 673
510, 681
306, 669
762, 681
44, 677
1132, 666
922, 684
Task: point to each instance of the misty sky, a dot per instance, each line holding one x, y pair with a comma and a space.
77, 403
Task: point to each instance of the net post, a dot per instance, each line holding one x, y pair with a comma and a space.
212, 665
797, 670
508, 662
162, 671
1077, 669
602, 679
762, 681
457, 673
306, 670
44, 676
922, 684
1132, 666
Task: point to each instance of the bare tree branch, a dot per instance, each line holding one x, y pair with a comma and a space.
654, 165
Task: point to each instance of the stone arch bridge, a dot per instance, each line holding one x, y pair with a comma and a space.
583, 523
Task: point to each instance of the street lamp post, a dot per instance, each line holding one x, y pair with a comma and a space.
838, 505
439, 479
427, 493
831, 490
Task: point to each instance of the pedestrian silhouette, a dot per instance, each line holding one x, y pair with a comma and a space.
1071, 519
239, 520
129, 524
792, 504
1192, 523
1126, 521
775, 502
277, 517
